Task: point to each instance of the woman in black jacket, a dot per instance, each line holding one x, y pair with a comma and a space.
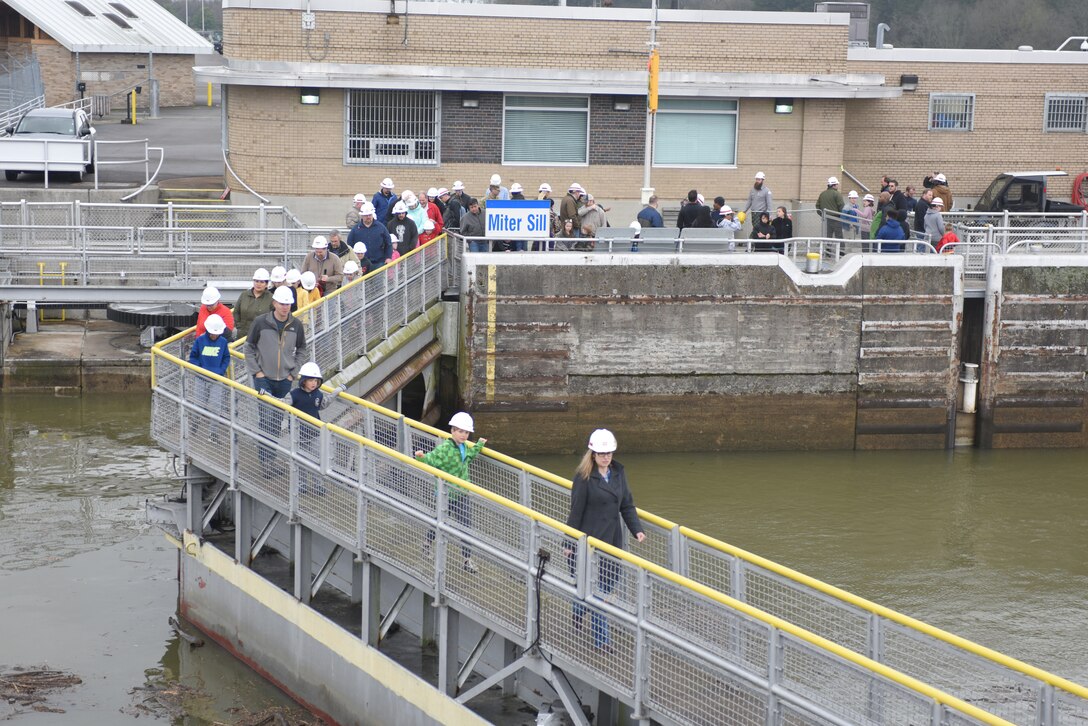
599, 498
762, 231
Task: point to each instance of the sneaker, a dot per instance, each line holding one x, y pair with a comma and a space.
470, 566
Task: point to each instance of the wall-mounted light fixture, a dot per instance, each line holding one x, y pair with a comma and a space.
908, 83
470, 100
309, 96
620, 103
783, 105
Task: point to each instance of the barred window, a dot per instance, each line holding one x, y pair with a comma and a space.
695, 132
545, 130
1065, 113
951, 111
391, 127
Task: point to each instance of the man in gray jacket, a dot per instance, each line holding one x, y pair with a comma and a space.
934, 223
759, 197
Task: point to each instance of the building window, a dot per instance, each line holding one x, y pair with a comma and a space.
695, 132
391, 127
951, 111
1065, 113
545, 130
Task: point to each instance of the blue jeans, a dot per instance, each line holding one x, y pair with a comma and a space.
608, 574
479, 246
270, 418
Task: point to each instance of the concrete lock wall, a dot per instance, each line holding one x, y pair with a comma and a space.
693, 354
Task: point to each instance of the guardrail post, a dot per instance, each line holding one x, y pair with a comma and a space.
1048, 706
532, 615
261, 217
774, 675
339, 337
875, 647
525, 492
736, 578
170, 226
678, 561
642, 650
292, 465
582, 571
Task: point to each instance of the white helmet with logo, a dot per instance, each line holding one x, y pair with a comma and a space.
462, 421
284, 296
359, 198
260, 275
387, 183
310, 370
279, 274
496, 180
308, 280
367, 210
359, 248
400, 208
215, 325
320, 242
210, 296
602, 441
293, 276
351, 267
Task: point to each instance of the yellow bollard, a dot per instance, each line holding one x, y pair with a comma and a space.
132, 106
209, 94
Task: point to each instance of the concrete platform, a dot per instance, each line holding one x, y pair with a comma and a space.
75, 356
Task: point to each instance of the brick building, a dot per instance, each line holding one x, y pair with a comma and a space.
328, 103
109, 45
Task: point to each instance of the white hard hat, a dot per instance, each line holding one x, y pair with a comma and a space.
407, 194
602, 441
210, 296
283, 295
359, 248
700, 198
260, 275
937, 202
458, 186
545, 187
852, 194
462, 420
832, 180
351, 267
495, 181
428, 225
309, 280
575, 187
516, 188
359, 198
412, 201
400, 208
387, 183
727, 209
394, 239
760, 175
279, 274
442, 191
215, 325
432, 192
635, 226
310, 370
320, 242
367, 209
940, 178
868, 198
293, 276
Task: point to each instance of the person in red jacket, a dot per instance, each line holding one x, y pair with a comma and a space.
211, 305
428, 233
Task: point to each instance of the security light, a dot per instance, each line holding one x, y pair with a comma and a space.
310, 96
783, 105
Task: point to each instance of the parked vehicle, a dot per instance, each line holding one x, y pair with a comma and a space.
1022, 192
26, 148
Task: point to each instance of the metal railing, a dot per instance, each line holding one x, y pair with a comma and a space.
12, 115
145, 160
167, 215
1012, 690
675, 649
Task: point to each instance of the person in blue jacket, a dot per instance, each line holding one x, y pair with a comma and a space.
890, 231
211, 353
311, 400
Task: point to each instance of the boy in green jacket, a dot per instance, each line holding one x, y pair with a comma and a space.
453, 456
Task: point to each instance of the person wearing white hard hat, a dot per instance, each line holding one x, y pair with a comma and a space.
383, 201
211, 304
759, 196
210, 351
308, 397
728, 223
452, 208
277, 278
252, 303
934, 221
940, 189
601, 505
327, 267
829, 206
308, 292
571, 203
431, 211
453, 456
404, 228
428, 232
360, 259
851, 216
353, 214
351, 271
274, 346
374, 237
495, 190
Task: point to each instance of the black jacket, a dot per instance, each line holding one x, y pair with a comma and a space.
405, 230
690, 214
920, 210
596, 506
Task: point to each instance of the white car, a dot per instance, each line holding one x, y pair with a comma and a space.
53, 124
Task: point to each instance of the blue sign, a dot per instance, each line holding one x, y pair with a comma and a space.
518, 219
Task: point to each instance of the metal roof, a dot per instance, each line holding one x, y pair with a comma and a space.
152, 28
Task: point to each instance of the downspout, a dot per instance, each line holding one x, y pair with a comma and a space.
226, 151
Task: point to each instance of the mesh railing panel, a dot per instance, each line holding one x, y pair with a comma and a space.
487, 584
712, 568
1071, 710
398, 538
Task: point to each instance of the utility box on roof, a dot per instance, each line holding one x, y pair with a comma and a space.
859, 20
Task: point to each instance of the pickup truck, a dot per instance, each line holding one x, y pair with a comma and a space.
1022, 192
49, 140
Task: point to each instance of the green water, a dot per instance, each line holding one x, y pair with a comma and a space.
988, 545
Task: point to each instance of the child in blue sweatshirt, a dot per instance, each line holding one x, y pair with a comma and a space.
310, 399
211, 353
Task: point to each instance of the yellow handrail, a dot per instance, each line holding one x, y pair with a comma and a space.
819, 585
775, 622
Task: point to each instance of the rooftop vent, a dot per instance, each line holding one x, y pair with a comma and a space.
80, 8
124, 10
859, 20
118, 20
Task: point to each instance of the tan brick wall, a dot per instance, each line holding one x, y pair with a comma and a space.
251, 34
890, 136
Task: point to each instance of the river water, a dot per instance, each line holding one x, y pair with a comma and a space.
988, 545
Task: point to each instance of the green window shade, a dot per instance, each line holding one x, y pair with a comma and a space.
695, 139
539, 129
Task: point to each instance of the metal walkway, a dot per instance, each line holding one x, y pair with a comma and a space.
698, 632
